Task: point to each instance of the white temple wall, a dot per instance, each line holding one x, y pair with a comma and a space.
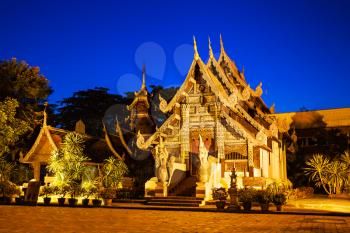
275, 160
264, 162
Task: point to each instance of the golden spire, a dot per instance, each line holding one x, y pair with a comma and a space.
196, 55
45, 114
143, 86
222, 49
211, 55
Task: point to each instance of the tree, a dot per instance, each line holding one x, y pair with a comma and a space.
30, 88
6, 169
88, 105
68, 163
11, 127
112, 172
332, 176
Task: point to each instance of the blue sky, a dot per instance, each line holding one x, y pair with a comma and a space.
299, 49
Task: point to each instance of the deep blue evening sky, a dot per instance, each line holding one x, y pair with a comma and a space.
299, 49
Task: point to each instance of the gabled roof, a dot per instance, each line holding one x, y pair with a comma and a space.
239, 76
225, 89
50, 138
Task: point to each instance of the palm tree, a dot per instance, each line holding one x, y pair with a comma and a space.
331, 175
345, 158
317, 171
337, 175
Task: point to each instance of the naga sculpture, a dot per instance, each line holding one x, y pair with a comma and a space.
161, 159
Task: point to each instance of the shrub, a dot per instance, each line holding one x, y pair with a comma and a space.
246, 195
219, 194
279, 199
108, 193
88, 188
263, 197
46, 191
8, 189
300, 193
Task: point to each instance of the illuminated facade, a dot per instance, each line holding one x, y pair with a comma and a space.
215, 122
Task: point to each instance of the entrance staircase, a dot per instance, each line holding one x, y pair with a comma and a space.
187, 187
182, 194
179, 201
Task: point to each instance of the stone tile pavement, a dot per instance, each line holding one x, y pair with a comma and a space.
65, 219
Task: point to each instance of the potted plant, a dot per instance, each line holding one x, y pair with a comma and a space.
61, 189
220, 195
279, 200
263, 198
74, 190
46, 191
68, 164
96, 202
88, 189
246, 196
107, 195
110, 175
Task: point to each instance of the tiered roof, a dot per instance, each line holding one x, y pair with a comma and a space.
243, 108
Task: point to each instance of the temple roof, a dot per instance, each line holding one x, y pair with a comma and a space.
142, 94
50, 138
232, 91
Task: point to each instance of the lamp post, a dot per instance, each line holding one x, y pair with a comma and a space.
233, 191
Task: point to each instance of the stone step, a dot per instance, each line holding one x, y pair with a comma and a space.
184, 204
177, 198
170, 200
174, 201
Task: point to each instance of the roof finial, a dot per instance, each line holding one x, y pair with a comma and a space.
221, 44
45, 114
211, 55
196, 55
242, 73
143, 86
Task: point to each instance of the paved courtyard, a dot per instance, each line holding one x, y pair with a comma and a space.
56, 219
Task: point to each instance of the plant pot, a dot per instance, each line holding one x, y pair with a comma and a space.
220, 205
19, 200
61, 201
85, 202
47, 200
72, 201
96, 202
264, 207
107, 201
279, 207
247, 206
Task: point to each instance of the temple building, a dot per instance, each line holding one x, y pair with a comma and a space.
216, 122
50, 138
319, 131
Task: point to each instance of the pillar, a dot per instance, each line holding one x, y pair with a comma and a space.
220, 143
250, 151
36, 167
185, 134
